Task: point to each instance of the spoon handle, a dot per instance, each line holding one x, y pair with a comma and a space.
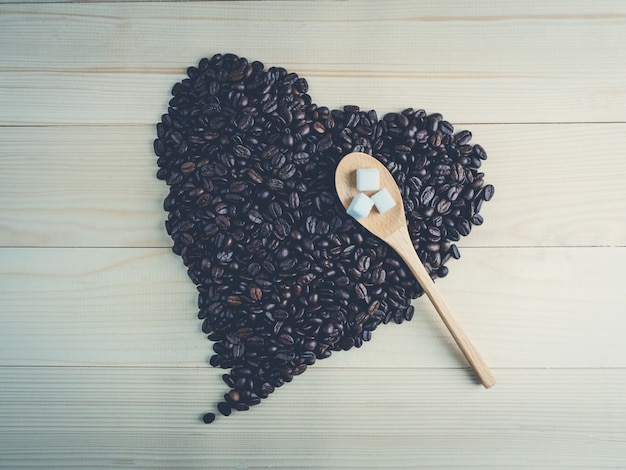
401, 242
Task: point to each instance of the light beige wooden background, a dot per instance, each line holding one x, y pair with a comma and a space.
102, 362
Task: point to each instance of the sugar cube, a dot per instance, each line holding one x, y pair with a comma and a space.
367, 179
360, 206
383, 200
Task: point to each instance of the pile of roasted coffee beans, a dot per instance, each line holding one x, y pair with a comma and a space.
284, 275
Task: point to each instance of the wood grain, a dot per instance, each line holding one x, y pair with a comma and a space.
554, 63
105, 35
533, 307
102, 361
388, 418
131, 97
556, 185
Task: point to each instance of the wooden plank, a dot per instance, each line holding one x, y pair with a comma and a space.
80, 186
391, 418
556, 185
77, 98
131, 54
98, 35
524, 307
96, 186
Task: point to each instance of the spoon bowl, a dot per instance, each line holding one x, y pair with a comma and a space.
391, 227
379, 224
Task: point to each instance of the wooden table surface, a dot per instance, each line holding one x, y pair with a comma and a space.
102, 361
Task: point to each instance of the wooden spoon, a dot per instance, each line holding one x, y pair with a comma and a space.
391, 227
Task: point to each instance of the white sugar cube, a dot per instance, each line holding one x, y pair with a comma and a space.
360, 206
367, 179
383, 200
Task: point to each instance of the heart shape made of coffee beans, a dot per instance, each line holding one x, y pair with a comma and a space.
284, 275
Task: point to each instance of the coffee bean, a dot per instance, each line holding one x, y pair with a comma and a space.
288, 264
242, 151
378, 276
187, 167
311, 225
477, 219
278, 161
446, 128
480, 152
255, 216
284, 276
462, 137
276, 184
361, 290
238, 350
432, 124
363, 263
294, 201
427, 195
256, 294
254, 175
443, 206
224, 408
287, 172
286, 339
222, 222
301, 158
488, 192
